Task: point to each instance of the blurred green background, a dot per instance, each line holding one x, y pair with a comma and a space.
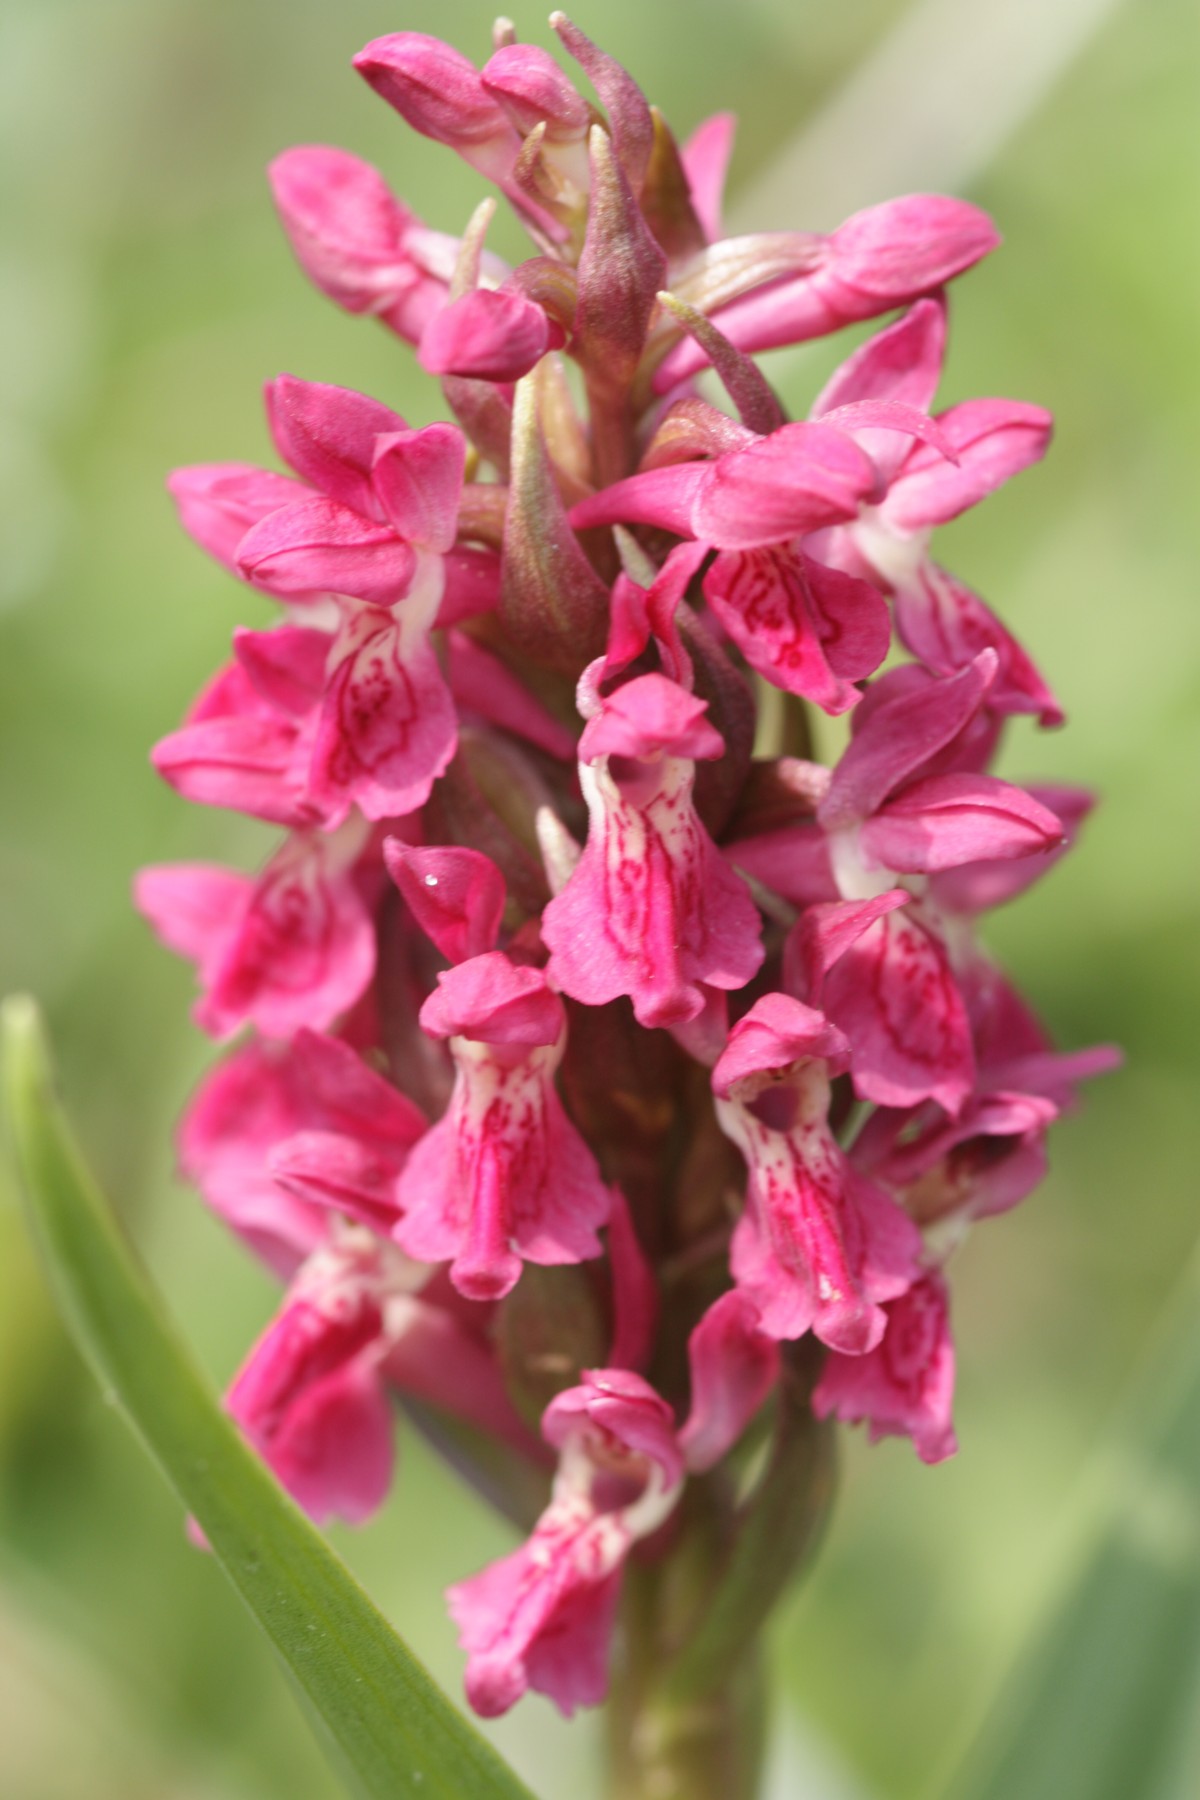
145, 293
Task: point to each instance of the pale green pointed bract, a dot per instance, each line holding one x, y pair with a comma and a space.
391, 1728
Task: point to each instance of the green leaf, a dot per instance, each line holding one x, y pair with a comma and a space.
1104, 1702
389, 1728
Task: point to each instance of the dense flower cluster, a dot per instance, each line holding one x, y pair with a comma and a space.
596, 1043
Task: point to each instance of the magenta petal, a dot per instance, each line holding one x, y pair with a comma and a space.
299, 950
456, 895
247, 764
194, 908
993, 440
900, 736
663, 497
321, 547
946, 625
345, 225
327, 434
330, 1168
800, 479
705, 159
219, 502
245, 1105
490, 334
387, 727
418, 477
285, 666
905, 1387
734, 1365
894, 995
803, 626
947, 820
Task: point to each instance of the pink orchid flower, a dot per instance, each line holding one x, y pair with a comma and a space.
652, 909
819, 1246
543, 1617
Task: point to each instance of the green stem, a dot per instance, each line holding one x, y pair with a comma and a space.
686, 1721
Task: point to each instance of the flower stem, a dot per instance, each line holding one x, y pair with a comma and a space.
686, 1722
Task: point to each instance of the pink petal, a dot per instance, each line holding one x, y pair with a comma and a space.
335, 1454
808, 629
651, 716
327, 434
979, 886
330, 1168
905, 1387
947, 625
472, 584
286, 665
441, 95
902, 362
456, 895
894, 995
993, 439
824, 933
321, 547
734, 1365
947, 820
793, 862
387, 728
665, 497
776, 1032
490, 334
705, 159
194, 908
418, 477
219, 502
911, 245
246, 764
900, 736
244, 1106
801, 478
345, 225
533, 91
652, 909
301, 952
494, 1001
502, 1614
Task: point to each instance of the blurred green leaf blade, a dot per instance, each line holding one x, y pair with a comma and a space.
388, 1727
1104, 1701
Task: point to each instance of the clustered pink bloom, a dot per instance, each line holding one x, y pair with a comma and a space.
560, 974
